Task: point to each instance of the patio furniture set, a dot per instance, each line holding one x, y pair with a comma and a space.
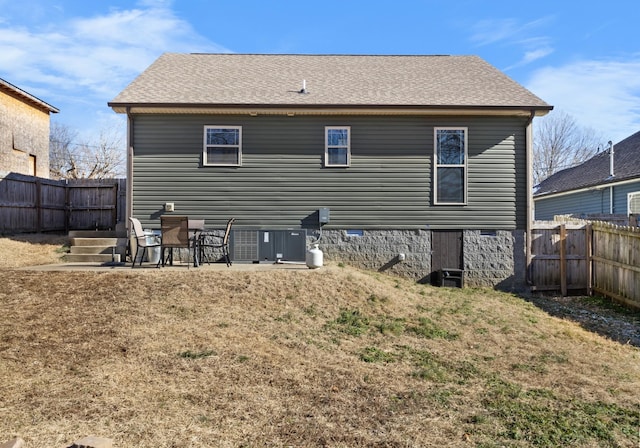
180, 232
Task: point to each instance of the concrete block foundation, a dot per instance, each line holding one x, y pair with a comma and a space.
490, 259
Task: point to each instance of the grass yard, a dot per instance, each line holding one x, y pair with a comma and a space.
334, 357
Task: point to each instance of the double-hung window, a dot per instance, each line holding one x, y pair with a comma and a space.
222, 145
337, 146
450, 172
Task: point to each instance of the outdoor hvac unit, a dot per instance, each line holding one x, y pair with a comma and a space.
633, 203
256, 246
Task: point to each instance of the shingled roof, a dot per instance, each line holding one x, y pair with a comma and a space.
596, 171
240, 80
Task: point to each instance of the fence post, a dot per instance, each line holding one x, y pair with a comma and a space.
38, 205
67, 207
588, 237
114, 213
563, 260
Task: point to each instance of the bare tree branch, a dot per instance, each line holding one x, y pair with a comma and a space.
101, 158
561, 143
61, 139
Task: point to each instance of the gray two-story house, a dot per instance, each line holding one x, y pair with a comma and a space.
406, 164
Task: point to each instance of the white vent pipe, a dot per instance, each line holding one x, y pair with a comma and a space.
611, 173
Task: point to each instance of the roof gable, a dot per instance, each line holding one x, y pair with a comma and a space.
26, 97
596, 171
331, 80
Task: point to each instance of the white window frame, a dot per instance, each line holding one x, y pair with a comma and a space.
327, 146
463, 166
238, 147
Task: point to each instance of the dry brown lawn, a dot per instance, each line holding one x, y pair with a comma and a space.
31, 250
333, 357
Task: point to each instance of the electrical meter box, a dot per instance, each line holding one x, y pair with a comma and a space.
323, 215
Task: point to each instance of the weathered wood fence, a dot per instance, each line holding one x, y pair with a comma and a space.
33, 204
616, 262
586, 258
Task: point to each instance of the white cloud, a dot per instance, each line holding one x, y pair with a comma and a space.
491, 31
603, 95
487, 32
534, 55
513, 33
81, 63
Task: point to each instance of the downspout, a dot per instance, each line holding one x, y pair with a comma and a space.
529, 157
129, 166
611, 175
611, 200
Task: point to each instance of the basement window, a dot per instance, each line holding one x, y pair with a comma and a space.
488, 233
222, 146
355, 233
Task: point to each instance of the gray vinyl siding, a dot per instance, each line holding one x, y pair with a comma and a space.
620, 193
586, 202
283, 181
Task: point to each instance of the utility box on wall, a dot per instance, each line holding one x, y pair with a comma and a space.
323, 215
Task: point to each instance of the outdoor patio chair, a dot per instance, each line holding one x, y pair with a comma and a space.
223, 244
175, 235
142, 241
196, 226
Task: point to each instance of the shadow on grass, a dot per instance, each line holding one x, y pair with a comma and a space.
596, 314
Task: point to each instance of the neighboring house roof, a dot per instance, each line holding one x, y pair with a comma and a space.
596, 171
12, 90
245, 80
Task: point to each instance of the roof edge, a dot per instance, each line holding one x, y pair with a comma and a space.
26, 96
122, 107
594, 186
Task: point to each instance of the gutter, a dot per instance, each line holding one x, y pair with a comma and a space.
600, 186
321, 109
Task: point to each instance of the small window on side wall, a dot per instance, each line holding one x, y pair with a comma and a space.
222, 146
337, 146
450, 167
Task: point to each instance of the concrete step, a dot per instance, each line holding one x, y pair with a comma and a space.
97, 245
81, 241
89, 258
97, 234
89, 250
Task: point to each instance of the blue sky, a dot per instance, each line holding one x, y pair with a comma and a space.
581, 57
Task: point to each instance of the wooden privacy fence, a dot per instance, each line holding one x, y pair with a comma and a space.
33, 204
586, 258
616, 262
560, 257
